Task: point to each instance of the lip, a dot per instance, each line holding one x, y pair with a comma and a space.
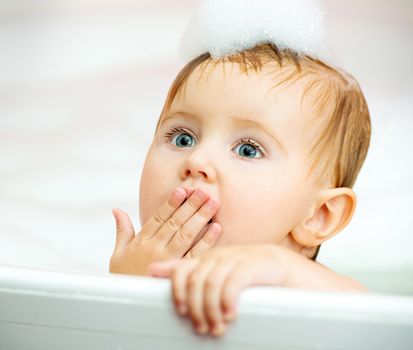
189, 191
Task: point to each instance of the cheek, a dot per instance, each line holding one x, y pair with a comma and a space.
261, 209
155, 187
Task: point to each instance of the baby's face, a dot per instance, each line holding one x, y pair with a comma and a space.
242, 142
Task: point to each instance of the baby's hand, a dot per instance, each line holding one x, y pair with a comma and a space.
168, 234
206, 288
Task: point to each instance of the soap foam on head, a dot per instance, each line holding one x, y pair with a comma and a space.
225, 27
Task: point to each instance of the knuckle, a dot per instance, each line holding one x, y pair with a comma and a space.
175, 279
180, 273
193, 253
176, 291
183, 234
210, 283
173, 223
158, 219
193, 203
232, 283
229, 291
204, 213
207, 239
192, 281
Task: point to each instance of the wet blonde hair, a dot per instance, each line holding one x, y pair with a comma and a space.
340, 112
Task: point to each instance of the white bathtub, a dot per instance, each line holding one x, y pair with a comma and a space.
54, 310
81, 86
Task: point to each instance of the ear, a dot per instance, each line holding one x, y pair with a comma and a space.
330, 214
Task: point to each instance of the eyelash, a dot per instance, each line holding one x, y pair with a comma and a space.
168, 135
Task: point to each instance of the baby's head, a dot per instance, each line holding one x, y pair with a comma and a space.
278, 138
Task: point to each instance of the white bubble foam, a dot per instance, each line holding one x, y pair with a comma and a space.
225, 27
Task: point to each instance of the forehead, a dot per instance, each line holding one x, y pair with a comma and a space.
224, 89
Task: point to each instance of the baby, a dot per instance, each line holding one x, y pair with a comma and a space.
250, 170
255, 155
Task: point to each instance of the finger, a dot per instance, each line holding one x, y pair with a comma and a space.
206, 242
163, 213
186, 235
124, 228
240, 277
189, 192
195, 295
179, 280
181, 216
163, 268
212, 296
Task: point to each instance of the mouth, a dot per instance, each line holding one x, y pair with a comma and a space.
189, 191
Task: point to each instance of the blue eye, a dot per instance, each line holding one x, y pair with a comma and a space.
183, 140
180, 138
246, 148
249, 149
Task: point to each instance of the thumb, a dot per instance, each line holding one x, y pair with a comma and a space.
124, 228
163, 268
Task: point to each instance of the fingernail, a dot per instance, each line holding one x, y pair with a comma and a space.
229, 316
182, 309
188, 192
218, 329
200, 194
202, 328
211, 204
179, 193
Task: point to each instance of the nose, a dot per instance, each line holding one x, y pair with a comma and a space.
198, 165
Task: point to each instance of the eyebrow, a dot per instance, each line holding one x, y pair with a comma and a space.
253, 124
177, 114
240, 121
